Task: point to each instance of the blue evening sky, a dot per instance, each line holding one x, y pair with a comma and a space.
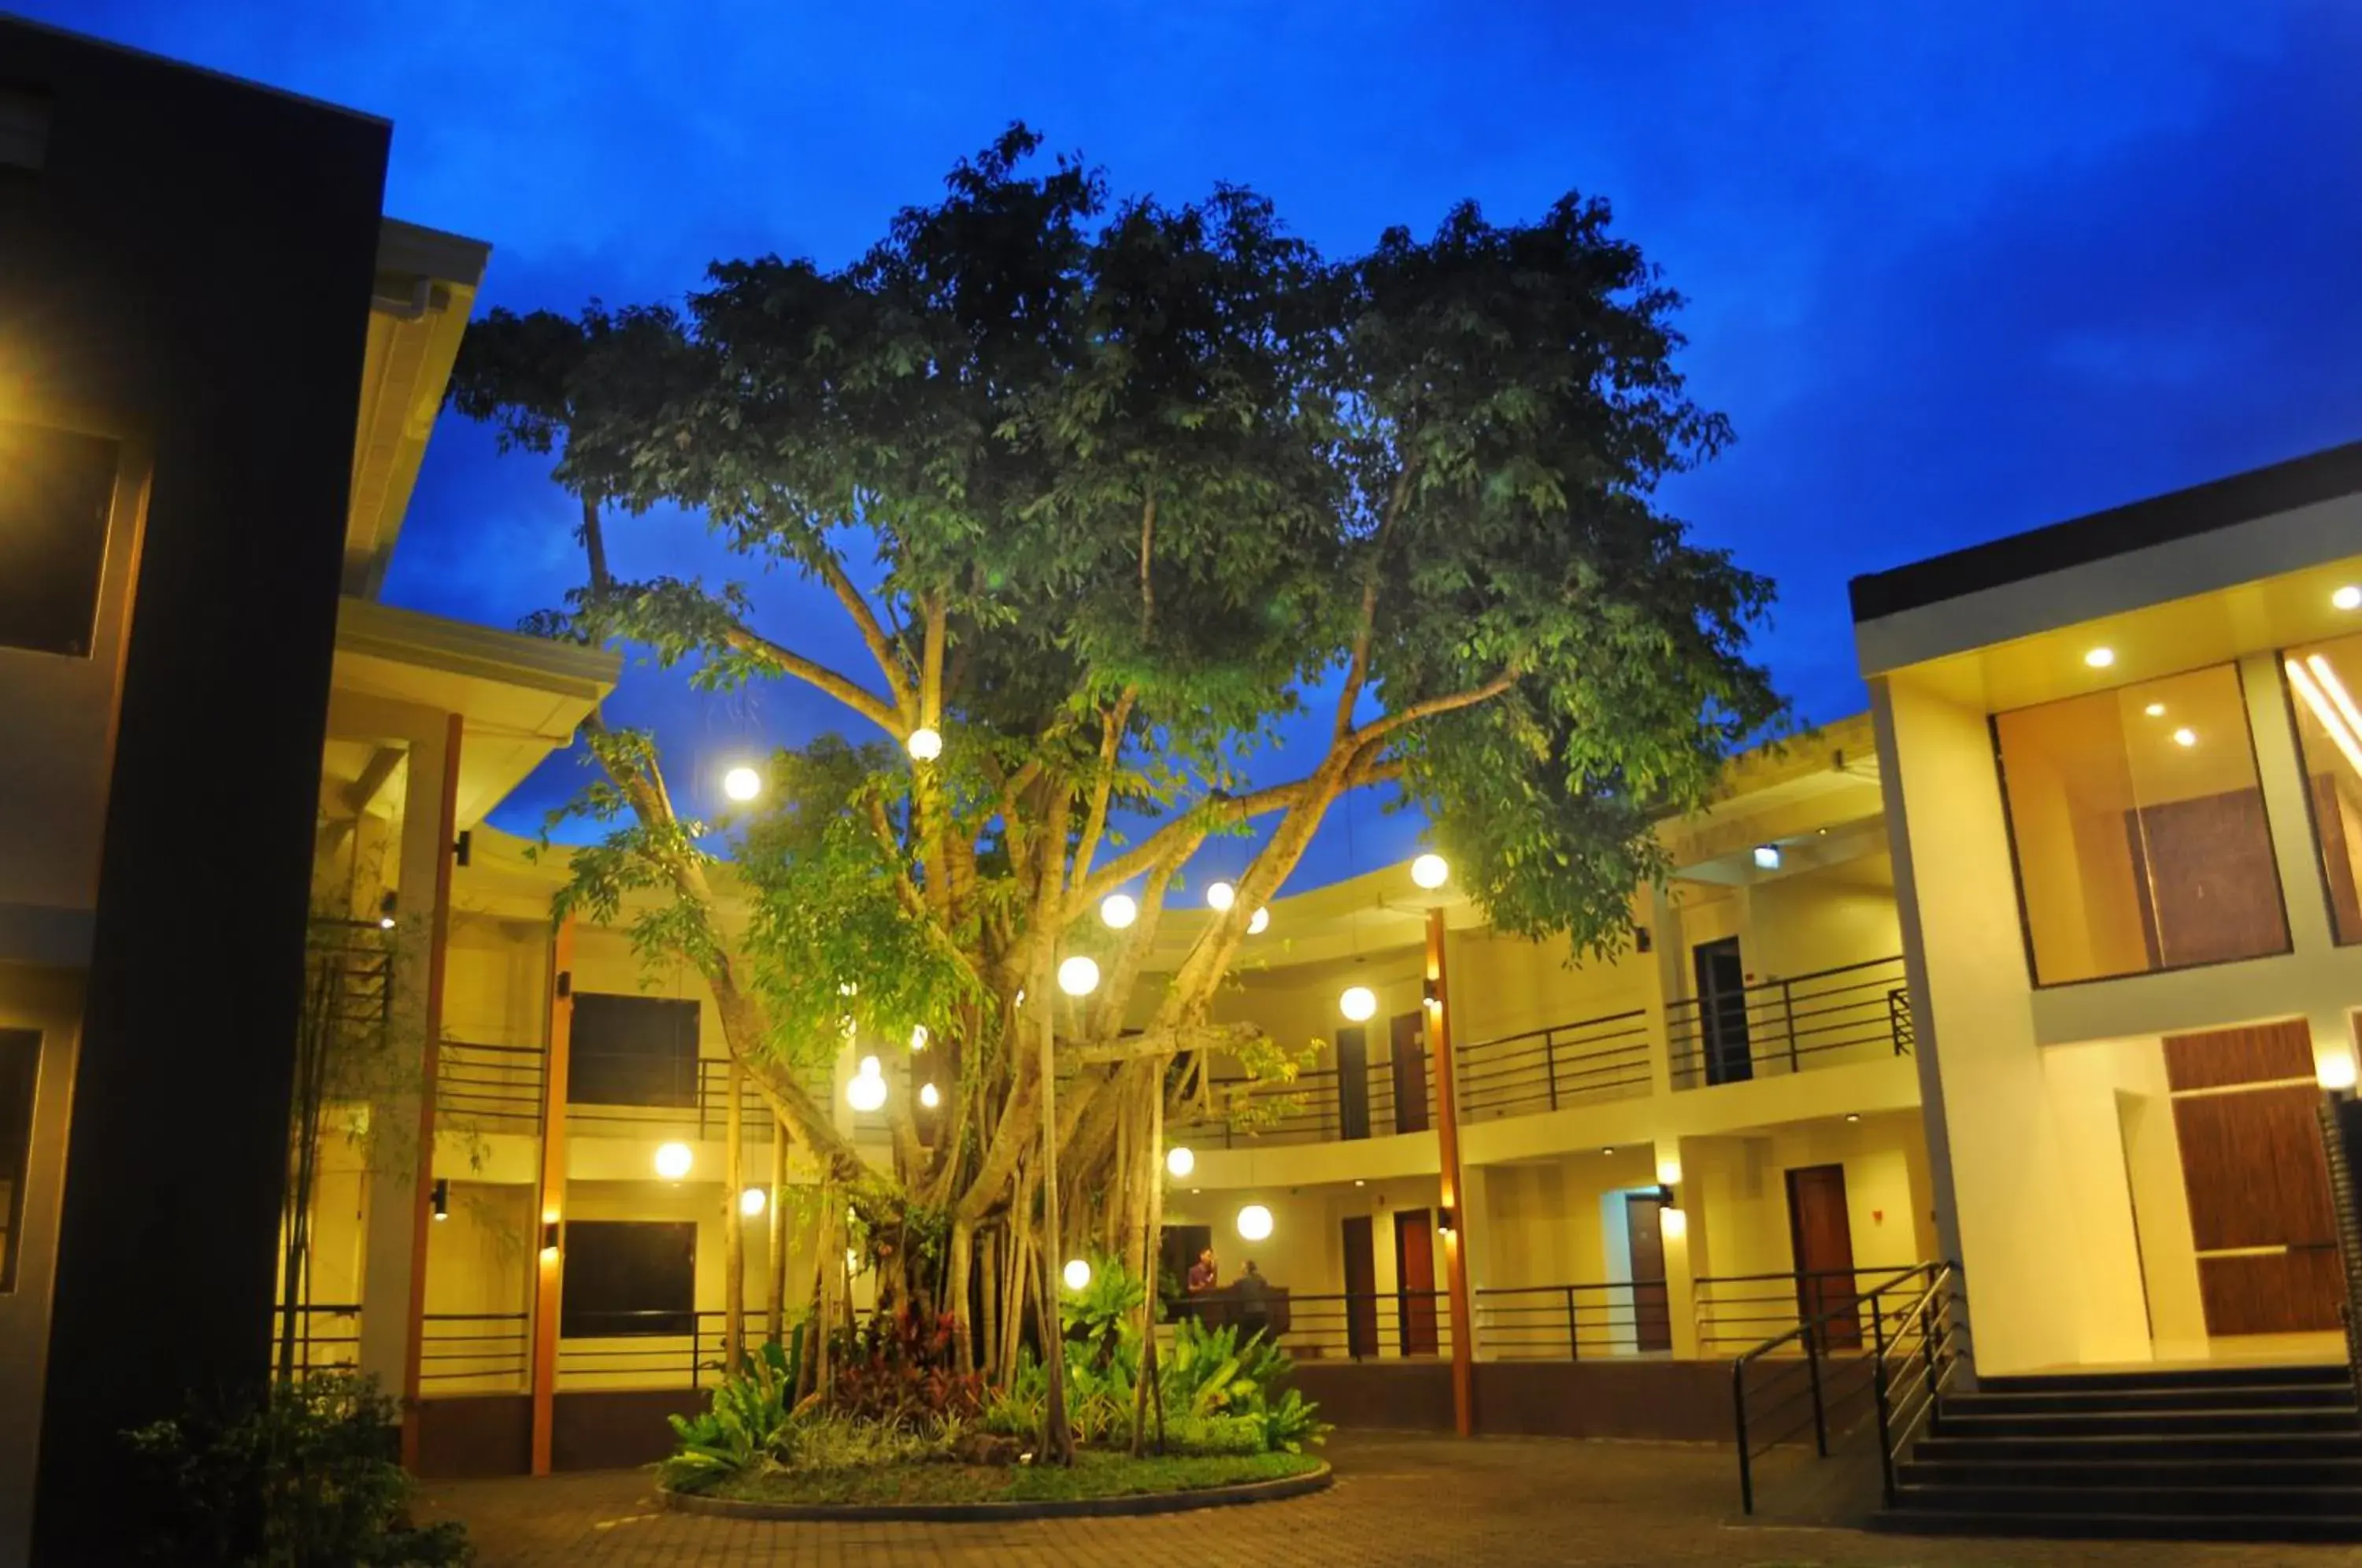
1954, 272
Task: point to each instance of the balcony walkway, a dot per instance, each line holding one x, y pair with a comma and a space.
1501, 1502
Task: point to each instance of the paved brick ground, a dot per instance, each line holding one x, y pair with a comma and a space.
1399, 1500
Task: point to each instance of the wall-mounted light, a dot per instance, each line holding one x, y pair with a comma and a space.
1672, 1224
385, 907
1767, 857
1431, 991
1665, 1195
1669, 1171
442, 1198
2335, 1072
550, 1239
1447, 1219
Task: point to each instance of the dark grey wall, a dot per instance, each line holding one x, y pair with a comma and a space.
198, 254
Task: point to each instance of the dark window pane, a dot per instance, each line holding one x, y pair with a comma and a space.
20, 1055
2327, 680
632, 1050
56, 490
625, 1276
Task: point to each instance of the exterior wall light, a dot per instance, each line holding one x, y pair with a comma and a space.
1447, 1219
1669, 1172
751, 1201
1076, 1274
549, 1240
1767, 856
443, 1197
1255, 1222
1118, 910
1431, 871
2100, 658
1359, 1003
741, 783
1180, 1160
1078, 976
1221, 896
926, 743
673, 1161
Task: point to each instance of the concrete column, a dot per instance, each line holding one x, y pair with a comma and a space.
556, 1060
1680, 1276
1660, 982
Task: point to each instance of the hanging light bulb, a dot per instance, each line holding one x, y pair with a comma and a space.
918, 1037
867, 1089
1078, 976
1180, 1160
1359, 1003
1431, 871
1259, 922
926, 743
751, 1201
741, 783
673, 1161
1076, 1274
1118, 910
1221, 896
930, 1096
1255, 1222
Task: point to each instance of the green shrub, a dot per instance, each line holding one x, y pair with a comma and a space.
1214, 1434
744, 1427
305, 1478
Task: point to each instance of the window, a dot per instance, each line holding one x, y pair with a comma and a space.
2138, 826
23, 130
628, 1277
633, 1051
20, 1056
2326, 681
57, 489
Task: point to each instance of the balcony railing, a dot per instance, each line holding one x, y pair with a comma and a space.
1369, 1325
1737, 1311
1312, 1108
1857, 1012
327, 1336
1568, 1063
463, 1352
1574, 1322
489, 1089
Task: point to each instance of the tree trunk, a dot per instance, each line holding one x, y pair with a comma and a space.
989, 1300
960, 1260
734, 1225
1151, 1255
1058, 1436
776, 1287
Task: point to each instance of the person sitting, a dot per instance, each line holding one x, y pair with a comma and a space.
1203, 1275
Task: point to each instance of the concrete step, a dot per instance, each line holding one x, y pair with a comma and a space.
2179, 1475
2141, 1422
2150, 1448
2206, 1397
1939, 1519
2174, 1377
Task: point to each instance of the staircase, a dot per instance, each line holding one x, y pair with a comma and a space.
2222, 1453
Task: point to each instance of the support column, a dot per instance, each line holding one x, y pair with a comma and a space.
552, 1207
421, 1186
1446, 1133
1673, 1229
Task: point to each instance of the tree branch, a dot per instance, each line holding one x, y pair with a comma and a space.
882, 648
1386, 725
1103, 787
1171, 1040
786, 661
1357, 667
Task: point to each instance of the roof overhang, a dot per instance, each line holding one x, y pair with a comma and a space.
426, 283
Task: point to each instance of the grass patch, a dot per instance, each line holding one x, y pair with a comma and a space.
1094, 1475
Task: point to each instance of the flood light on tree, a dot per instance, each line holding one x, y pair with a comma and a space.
1431, 871
1076, 1274
1079, 976
1180, 1160
1118, 910
1359, 1003
926, 743
1255, 1222
673, 1161
741, 783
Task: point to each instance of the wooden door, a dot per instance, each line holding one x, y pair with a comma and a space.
1353, 1044
1652, 1316
2261, 1215
1414, 1280
1722, 1011
1410, 1072
1820, 1237
1361, 1289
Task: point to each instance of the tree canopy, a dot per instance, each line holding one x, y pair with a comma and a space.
1107, 487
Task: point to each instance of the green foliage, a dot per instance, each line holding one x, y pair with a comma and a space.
1219, 1396
306, 1477
747, 1423
1094, 1474
898, 1371
1215, 1434
1103, 1318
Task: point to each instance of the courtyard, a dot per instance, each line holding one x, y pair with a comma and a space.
1398, 1499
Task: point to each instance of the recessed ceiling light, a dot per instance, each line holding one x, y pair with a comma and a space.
1607, 1150
2347, 598
2185, 737
2100, 658
2155, 709
1853, 1116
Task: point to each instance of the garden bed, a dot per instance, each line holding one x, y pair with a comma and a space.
1098, 1483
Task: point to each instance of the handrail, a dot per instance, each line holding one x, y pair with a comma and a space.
1540, 1069
1933, 1362
1812, 1337
1791, 1025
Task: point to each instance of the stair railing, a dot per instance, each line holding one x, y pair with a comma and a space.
1912, 1367
1804, 1381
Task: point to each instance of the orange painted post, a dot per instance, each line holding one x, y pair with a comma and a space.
422, 1222
546, 1271
1447, 1137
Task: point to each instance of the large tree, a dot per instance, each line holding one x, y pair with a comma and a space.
1107, 489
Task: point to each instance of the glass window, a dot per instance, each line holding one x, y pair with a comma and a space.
2326, 679
633, 1051
20, 1056
56, 490
2138, 828
625, 1277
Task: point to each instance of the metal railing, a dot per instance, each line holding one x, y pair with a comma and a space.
1312, 1111
1574, 1322
1821, 1376
700, 1105
327, 1336
641, 1349
487, 1350
1368, 1325
489, 1089
1913, 1366
1736, 1311
1516, 1075
1854, 1013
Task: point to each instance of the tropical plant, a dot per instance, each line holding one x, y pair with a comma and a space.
744, 1425
1106, 491
898, 1369
1103, 1317
1289, 1421
304, 1476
